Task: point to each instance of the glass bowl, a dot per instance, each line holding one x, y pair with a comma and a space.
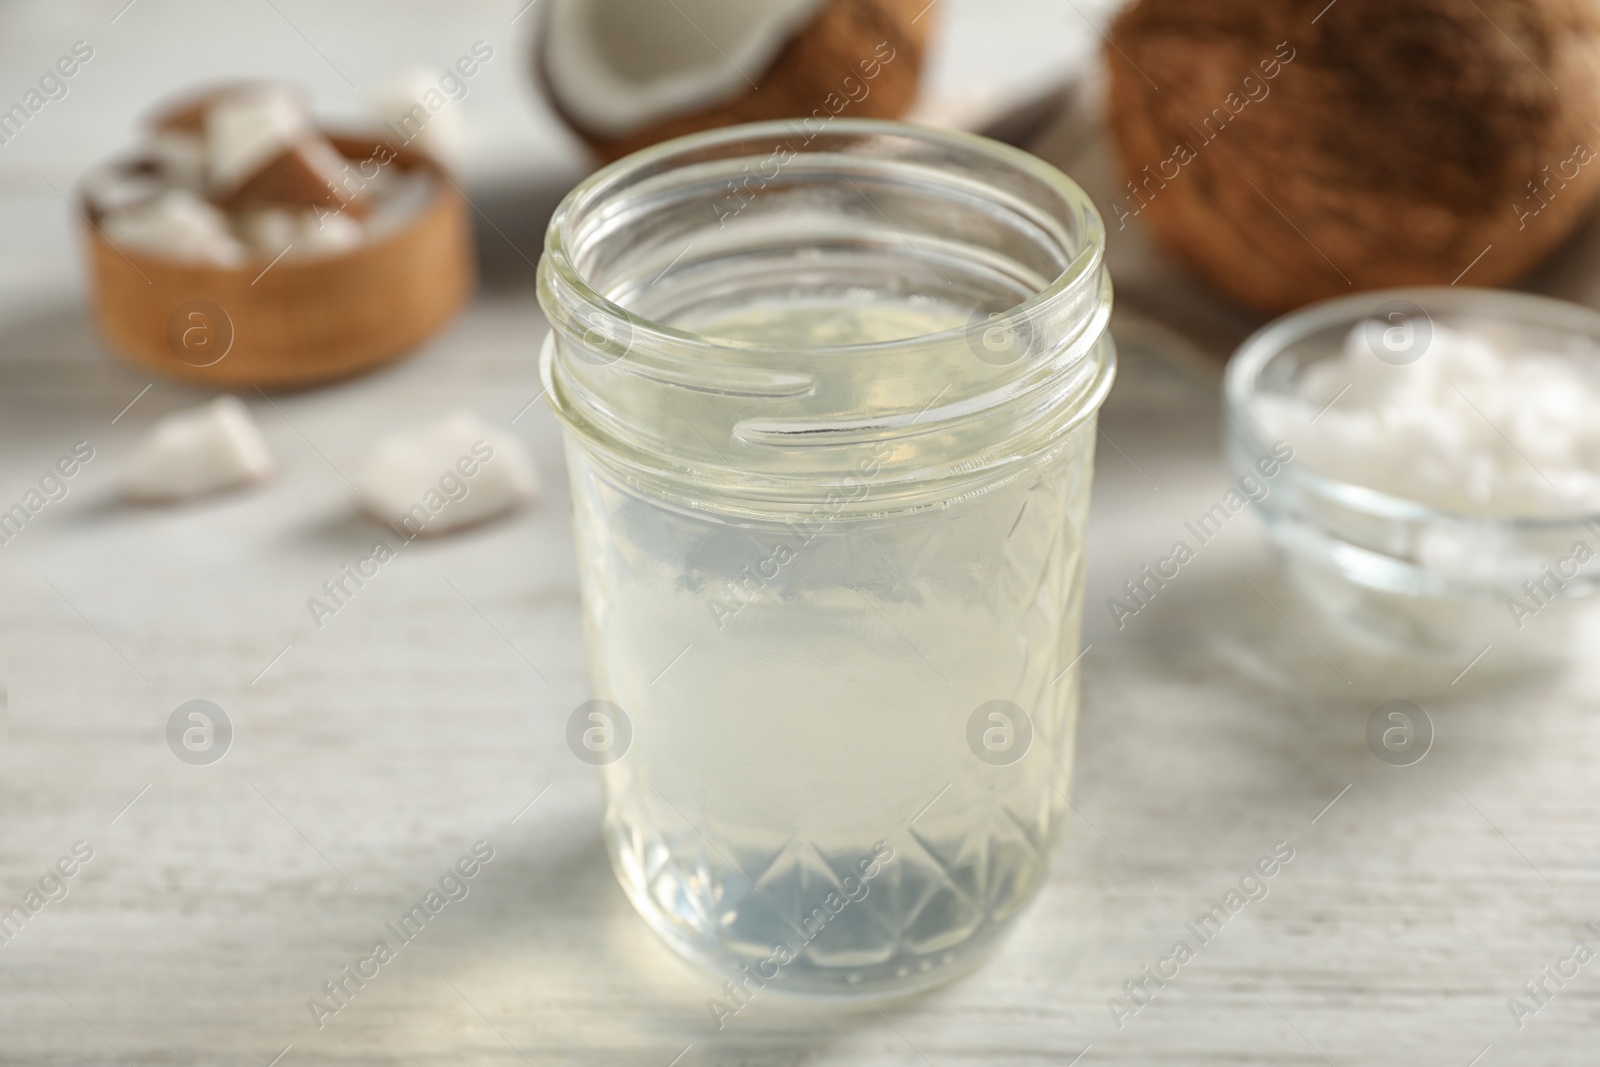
1397, 570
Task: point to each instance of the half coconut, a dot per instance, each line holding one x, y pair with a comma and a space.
624, 74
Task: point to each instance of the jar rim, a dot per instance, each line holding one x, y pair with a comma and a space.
559, 239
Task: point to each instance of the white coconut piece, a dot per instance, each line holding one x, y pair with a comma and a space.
617, 66
317, 154
180, 157
398, 104
309, 173
447, 475
114, 188
399, 198
201, 450
177, 224
248, 129
268, 230
328, 233
273, 231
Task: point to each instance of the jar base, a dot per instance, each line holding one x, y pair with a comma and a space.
798, 986
799, 962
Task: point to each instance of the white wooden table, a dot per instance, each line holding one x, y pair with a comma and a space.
369, 755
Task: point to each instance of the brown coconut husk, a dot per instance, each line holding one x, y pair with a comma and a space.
1396, 147
305, 175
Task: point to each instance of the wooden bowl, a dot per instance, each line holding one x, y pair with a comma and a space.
303, 320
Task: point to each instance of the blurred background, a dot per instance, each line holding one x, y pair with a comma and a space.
343, 55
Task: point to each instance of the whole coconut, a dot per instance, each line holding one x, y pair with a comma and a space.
1291, 150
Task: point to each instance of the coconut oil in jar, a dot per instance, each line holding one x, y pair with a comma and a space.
830, 466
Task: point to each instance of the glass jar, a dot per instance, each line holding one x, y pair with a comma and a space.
829, 394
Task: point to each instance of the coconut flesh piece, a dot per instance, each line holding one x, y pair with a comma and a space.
268, 231
398, 197
618, 66
274, 231
179, 157
395, 101
261, 147
201, 450
249, 128
447, 475
238, 172
310, 173
176, 224
115, 188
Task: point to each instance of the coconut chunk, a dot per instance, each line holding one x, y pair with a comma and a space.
453, 473
177, 224
116, 188
308, 173
399, 105
402, 196
268, 230
247, 129
179, 157
188, 113
274, 231
258, 144
201, 450
329, 232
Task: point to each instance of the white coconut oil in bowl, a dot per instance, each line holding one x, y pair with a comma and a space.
829, 403
1444, 491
